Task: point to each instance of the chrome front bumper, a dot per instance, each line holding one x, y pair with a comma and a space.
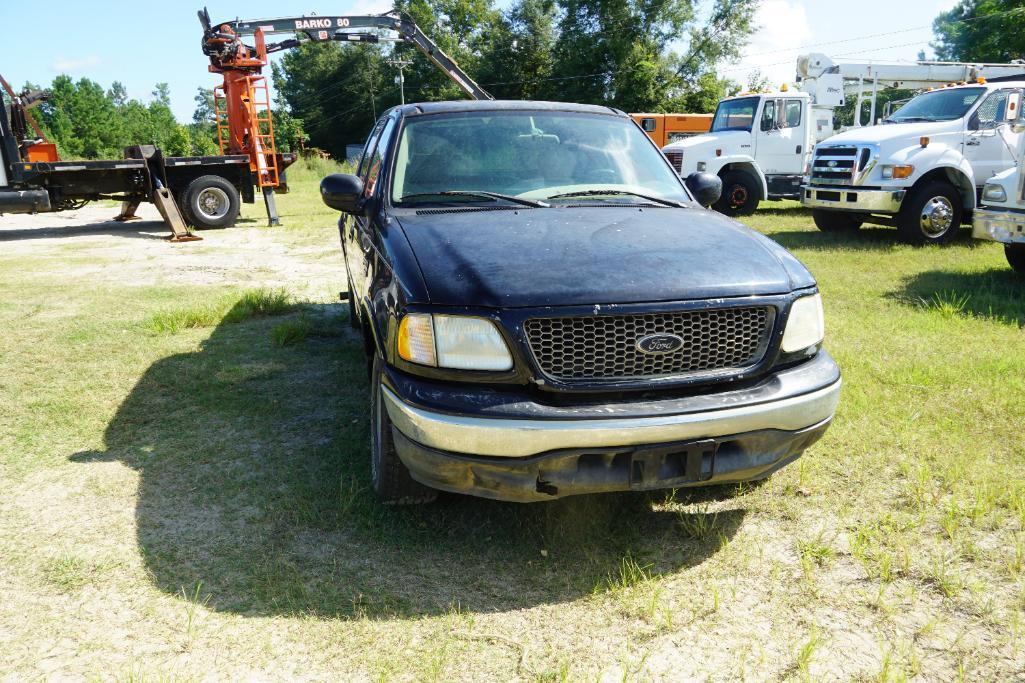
518, 438
999, 226
852, 199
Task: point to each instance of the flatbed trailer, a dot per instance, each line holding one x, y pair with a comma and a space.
201, 192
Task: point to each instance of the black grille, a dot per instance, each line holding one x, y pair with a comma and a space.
600, 347
676, 159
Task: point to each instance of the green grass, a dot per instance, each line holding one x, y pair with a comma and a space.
186, 487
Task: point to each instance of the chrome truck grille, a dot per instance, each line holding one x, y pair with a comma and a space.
840, 165
589, 348
676, 160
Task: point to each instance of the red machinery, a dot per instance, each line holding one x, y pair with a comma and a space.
242, 103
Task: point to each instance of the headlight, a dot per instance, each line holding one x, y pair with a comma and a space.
452, 341
806, 325
994, 192
898, 171
702, 166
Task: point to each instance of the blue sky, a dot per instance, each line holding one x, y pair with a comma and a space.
141, 44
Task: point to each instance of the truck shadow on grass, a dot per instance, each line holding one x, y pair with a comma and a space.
254, 497
996, 294
151, 230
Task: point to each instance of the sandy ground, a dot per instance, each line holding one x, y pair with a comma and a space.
243, 255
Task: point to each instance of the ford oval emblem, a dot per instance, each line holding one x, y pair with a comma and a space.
832, 163
658, 344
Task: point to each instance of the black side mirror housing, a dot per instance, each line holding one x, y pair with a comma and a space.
705, 187
342, 192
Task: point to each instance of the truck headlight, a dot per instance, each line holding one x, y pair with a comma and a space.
898, 171
702, 166
453, 341
806, 325
994, 192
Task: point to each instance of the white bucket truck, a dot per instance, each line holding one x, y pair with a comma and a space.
921, 170
1002, 215
760, 144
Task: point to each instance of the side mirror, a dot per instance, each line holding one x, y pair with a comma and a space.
705, 187
342, 192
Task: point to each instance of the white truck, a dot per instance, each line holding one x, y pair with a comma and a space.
760, 144
922, 169
1001, 218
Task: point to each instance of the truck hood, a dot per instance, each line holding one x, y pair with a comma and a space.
594, 255
902, 133
729, 139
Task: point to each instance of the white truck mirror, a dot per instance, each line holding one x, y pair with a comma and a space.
1012, 112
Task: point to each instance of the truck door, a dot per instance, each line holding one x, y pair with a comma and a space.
989, 142
781, 141
356, 239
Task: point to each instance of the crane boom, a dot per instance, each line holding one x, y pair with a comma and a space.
345, 28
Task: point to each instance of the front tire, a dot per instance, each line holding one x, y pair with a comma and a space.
210, 201
835, 221
740, 194
390, 479
930, 215
1015, 254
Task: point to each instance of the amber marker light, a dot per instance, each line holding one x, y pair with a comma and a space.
923, 141
416, 339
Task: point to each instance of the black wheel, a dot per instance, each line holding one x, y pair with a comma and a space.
835, 221
1015, 256
930, 214
390, 478
210, 201
740, 194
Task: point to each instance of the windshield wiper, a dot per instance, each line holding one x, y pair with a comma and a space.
532, 203
909, 119
599, 193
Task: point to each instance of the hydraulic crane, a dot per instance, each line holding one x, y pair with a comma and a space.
242, 104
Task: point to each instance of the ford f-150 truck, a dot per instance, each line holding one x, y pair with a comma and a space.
922, 168
547, 309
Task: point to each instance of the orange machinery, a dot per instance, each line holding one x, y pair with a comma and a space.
666, 128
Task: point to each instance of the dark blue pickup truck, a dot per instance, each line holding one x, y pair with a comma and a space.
549, 310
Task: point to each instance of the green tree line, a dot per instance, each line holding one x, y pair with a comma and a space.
87, 122
636, 55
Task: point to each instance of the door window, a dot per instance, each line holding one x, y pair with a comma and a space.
769, 115
792, 114
648, 125
373, 166
992, 109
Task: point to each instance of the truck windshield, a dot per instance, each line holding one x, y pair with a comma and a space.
530, 155
938, 105
735, 114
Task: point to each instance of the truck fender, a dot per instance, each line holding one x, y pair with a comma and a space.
944, 163
739, 162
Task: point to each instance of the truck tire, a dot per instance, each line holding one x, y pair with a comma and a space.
1015, 254
835, 221
740, 194
390, 479
930, 214
210, 201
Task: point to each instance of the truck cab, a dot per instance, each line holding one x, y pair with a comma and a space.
1001, 217
923, 168
759, 145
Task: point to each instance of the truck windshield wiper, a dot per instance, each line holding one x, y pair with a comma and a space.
532, 203
909, 119
599, 193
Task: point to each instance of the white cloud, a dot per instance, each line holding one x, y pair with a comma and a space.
782, 27
66, 65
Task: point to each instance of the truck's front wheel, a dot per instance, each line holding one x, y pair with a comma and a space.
740, 194
930, 215
1015, 256
835, 221
389, 477
210, 201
